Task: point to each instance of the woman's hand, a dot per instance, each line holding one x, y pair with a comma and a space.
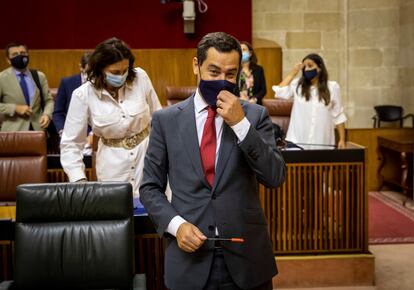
297, 68
253, 100
341, 144
244, 96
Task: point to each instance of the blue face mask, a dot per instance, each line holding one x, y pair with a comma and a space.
115, 81
245, 56
310, 74
210, 89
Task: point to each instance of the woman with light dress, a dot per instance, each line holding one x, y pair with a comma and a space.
117, 102
317, 106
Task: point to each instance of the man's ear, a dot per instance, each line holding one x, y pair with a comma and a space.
8, 60
196, 69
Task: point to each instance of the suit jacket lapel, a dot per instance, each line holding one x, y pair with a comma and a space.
228, 140
188, 134
15, 85
15, 81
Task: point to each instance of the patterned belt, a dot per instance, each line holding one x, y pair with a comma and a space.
127, 142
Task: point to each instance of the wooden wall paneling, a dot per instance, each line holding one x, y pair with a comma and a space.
270, 58
165, 67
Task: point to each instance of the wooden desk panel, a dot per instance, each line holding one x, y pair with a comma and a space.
368, 138
396, 162
321, 208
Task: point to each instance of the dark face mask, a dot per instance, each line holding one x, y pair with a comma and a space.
20, 61
310, 74
210, 89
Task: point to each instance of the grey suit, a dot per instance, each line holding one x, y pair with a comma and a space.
11, 94
232, 205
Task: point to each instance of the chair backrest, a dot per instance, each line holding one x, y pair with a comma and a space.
74, 236
389, 113
279, 111
23, 159
178, 94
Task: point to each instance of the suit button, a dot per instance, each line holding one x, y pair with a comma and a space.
211, 228
214, 196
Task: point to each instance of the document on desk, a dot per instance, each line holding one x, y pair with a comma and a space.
139, 208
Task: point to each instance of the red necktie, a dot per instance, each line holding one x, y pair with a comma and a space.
208, 146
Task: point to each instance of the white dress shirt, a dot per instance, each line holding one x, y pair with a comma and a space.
111, 119
240, 129
312, 122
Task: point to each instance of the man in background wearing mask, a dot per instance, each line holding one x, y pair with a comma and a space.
214, 148
20, 96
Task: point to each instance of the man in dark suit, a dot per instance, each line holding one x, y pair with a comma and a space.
213, 149
64, 94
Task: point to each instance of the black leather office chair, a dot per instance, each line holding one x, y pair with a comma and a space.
74, 236
389, 113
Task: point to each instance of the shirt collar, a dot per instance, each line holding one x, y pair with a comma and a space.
100, 93
199, 103
17, 72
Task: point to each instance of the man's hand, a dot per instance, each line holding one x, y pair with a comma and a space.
23, 110
189, 237
44, 121
229, 107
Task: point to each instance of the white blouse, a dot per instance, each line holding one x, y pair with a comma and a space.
312, 122
111, 119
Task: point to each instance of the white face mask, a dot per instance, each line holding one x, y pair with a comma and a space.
115, 80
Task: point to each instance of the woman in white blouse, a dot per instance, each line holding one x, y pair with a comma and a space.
317, 106
117, 102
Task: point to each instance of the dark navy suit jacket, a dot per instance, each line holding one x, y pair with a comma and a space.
232, 204
62, 101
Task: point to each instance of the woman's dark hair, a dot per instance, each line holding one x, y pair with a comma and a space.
305, 84
106, 53
253, 57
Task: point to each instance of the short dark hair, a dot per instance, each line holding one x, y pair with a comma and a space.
85, 59
221, 41
14, 44
106, 53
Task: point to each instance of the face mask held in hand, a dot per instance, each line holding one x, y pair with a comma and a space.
115, 81
210, 89
20, 61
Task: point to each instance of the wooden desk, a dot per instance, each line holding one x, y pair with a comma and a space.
396, 162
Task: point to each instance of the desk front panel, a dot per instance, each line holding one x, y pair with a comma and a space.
321, 208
